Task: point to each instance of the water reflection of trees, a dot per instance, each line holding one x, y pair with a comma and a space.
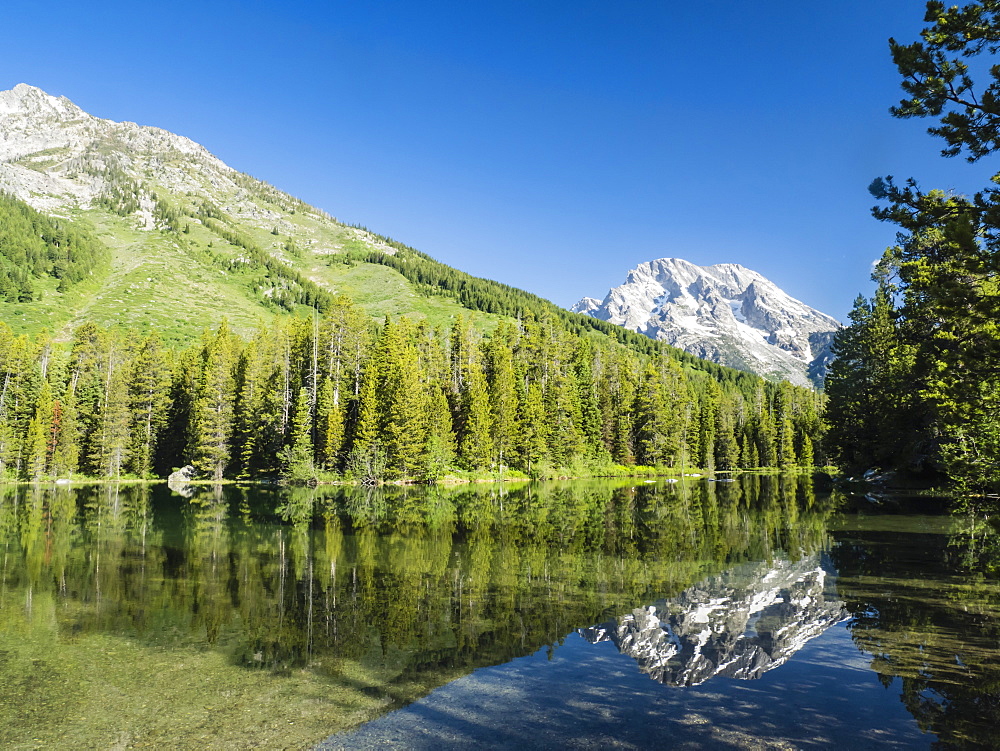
381, 585
925, 602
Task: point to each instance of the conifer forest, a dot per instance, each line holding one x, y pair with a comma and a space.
339, 396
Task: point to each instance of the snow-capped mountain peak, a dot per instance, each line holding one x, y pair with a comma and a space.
726, 313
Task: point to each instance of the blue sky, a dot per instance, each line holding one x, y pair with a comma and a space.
548, 145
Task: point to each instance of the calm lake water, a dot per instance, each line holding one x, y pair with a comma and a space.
760, 613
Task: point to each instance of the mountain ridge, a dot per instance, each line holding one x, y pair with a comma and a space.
725, 313
178, 218
195, 247
192, 238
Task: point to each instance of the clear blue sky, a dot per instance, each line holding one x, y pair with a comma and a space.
548, 145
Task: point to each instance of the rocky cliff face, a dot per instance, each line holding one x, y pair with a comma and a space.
725, 313
740, 624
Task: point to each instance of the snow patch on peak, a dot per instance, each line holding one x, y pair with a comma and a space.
586, 305
726, 313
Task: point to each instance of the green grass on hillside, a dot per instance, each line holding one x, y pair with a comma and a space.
176, 283
152, 283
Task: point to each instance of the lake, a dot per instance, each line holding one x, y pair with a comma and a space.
760, 613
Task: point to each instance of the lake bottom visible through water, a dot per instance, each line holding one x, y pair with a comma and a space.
590, 696
752, 614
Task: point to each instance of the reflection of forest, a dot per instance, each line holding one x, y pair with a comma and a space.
396, 591
408, 582
925, 601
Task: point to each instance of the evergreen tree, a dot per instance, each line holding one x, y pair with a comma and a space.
590, 414
366, 426
944, 272
330, 430
111, 438
439, 453
474, 440
708, 420
64, 440
503, 399
150, 402
404, 401
37, 447
213, 408
533, 443
868, 386
297, 457
726, 446
655, 445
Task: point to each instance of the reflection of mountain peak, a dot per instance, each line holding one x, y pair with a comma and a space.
739, 624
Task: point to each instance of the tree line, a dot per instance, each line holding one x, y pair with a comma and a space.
339, 395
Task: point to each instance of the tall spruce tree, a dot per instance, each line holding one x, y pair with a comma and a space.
503, 398
111, 439
213, 408
403, 421
149, 397
297, 457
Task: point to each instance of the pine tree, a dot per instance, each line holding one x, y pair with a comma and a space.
111, 438
786, 443
805, 452
474, 439
213, 409
533, 447
261, 383
867, 386
726, 447
708, 419
652, 438
176, 437
439, 453
36, 444
618, 409
590, 414
502, 394
150, 402
366, 426
64, 437
330, 426
404, 401
297, 457
87, 379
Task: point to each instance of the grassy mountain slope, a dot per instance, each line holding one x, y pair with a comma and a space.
182, 280
193, 241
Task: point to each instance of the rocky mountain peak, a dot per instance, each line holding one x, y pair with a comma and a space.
586, 305
726, 313
54, 155
28, 100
